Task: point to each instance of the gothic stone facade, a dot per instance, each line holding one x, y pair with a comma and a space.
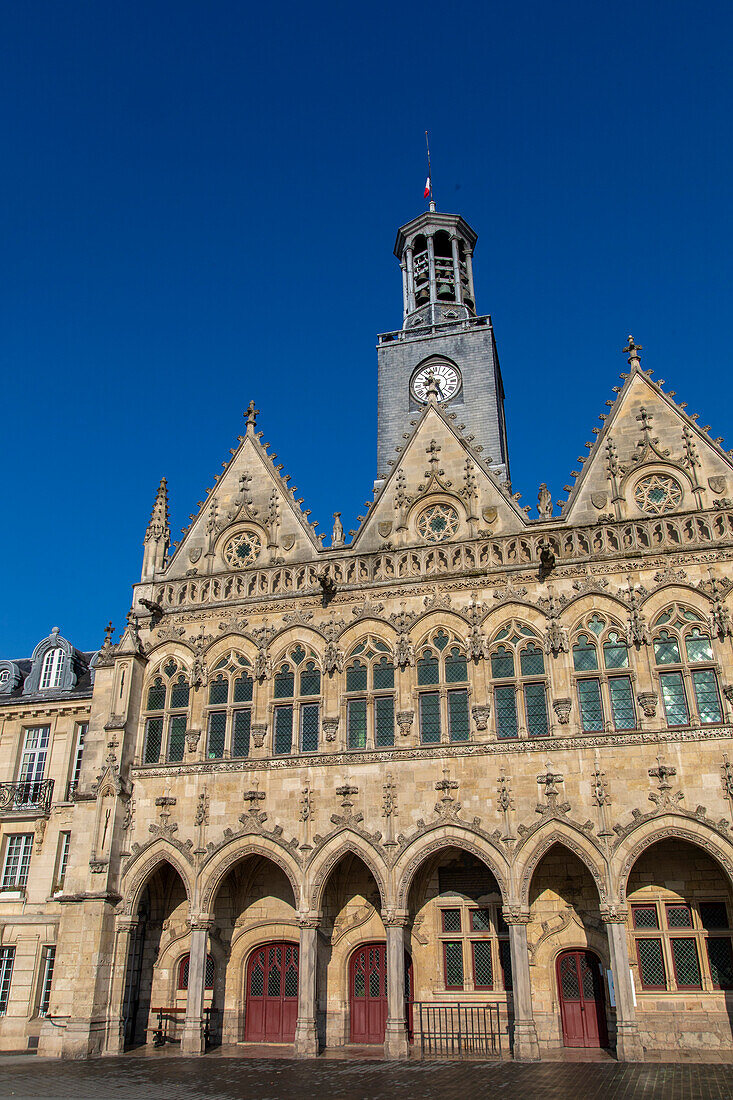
469, 757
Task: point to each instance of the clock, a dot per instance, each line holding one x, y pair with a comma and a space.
447, 379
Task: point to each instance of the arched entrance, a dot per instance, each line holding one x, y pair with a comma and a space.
368, 993
582, 1000
271, 993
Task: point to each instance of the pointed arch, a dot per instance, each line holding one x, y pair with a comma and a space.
144, 864
345, 842
221, 861
576, 840
668, 826
443, 836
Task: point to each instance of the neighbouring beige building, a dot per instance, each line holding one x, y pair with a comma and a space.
460, 784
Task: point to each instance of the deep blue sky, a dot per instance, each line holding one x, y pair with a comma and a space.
198, 203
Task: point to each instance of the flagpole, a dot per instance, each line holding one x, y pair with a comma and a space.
430, 173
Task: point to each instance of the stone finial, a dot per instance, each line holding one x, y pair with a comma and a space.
251, 417
633, 352
159, 525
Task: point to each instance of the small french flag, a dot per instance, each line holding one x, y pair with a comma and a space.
427, 187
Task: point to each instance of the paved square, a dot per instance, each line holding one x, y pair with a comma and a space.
177, 1078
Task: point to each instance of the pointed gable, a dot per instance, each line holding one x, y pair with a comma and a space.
439, 490
250, 517
649, 459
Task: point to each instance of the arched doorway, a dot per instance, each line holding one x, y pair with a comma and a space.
368, 993
582, 1000
271, 993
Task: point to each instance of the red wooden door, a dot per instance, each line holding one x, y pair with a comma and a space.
582, 1003
272, 994
368, 993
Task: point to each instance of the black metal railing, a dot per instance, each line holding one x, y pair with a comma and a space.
71, 789
26, 795
457, 1030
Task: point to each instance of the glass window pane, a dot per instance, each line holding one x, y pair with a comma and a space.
456, 669
177, 737
458, 724
310, 680
713, 915
283, 730
720, 958
686, 962
427, 669
356, 677
666, 649
7, 958
699, 647
453, 955
483, 971
535, 705
615, 652
622, 702
384, 720
216, 735
179, 693
502, 663
645, 916
705, 685
480, 920
383, 675
673, 698
356, 720
243, 689
679, 916
218, 691
505, 962
505, 706
451, 919
585, 657
156, 695
532, 661
241, 724
430, 718
309, 713
441, 639
284, 684
651, 964
153, 740
591, 709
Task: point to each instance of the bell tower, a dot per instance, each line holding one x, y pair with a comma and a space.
442, 340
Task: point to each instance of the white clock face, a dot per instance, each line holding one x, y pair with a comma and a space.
447, 380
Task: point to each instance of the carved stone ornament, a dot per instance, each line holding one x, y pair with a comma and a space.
717, 484
489, 514
598, 500
287, 542
648, 701
192, 740
405, 719
562, 708
481, 716
330, 728
385, 528
258, 735
194, 554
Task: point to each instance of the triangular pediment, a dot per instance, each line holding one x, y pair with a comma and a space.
650, 458
249, 518
439, 490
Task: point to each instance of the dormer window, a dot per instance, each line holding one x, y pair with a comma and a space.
52, 669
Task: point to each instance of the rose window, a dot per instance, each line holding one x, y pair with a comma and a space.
242, 550
438, 523
657, 494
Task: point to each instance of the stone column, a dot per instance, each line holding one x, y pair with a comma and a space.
125, 928
395, 1036
192, 1041
431, 271
306, 1032
404, 289
457, 289
469, 273
526, 1045
410, 280
628, 1043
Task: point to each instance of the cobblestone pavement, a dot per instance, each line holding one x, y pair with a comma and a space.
178, 1078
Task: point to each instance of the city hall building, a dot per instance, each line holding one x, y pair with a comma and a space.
461, 783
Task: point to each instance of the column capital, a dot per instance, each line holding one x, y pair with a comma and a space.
124, 923
201, 923
395, 918
309, 920
513, 914
614, 914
